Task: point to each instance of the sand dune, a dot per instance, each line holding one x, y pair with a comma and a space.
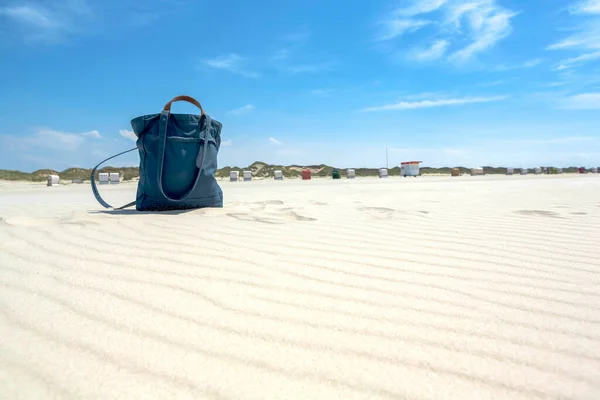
429, 288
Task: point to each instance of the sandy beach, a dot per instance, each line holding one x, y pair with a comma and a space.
481, 287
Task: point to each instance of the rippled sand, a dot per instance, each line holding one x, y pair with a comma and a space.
416, 288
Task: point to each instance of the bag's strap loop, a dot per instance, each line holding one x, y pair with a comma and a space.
95, 189
189, 99
204, 134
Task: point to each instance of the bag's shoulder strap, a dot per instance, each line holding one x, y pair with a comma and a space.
95, 188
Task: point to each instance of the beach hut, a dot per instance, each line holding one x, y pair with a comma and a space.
114, 178
476, 171
335, 174
53, 180
278, 175
510, 171
559, 170
537, 170
409, 168
524, 171
103, 178
306, 174
594, 170
581, 170
383, 173
234, 176
247, 176
455, 172
351, 174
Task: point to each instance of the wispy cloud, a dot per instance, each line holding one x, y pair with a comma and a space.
310, 68
48, 138
578, 61
321, 92
586, 7
275, 141
397, 27
47, 21
409, 105
226, 142
128, 134
241, 110
28, 15
489, 25
587, 31
556, 84
583, 101
527, 64
232, 63
493, 83
436, 51
94, 134
481, 24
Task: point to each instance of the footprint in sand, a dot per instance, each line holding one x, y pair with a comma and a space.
378, 212
272, 217
27, 221
539, 213
270, 203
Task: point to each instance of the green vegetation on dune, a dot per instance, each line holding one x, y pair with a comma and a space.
259, 170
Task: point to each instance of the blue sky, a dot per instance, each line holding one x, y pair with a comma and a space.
448, 82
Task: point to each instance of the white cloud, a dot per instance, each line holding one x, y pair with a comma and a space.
226, 142
408, 105
489, 26
583, 101
232, 63
556, 84
47, 138
128, 134
309, 68
241, 110
321, 92
47, 21
59, 140
527, 64
586, 7
420, 7
493, 83
94, 134
398, 27
587, 34
588, 38
578, 61
31, 16
485, 22
275, 141
437, 50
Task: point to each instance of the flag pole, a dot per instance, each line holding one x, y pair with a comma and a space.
386, 158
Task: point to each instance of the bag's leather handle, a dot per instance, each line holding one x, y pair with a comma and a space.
189, 99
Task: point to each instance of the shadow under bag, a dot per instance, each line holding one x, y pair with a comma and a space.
178, 161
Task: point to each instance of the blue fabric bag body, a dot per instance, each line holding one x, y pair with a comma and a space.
178, 160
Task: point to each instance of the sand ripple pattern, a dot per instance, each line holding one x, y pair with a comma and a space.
401, 289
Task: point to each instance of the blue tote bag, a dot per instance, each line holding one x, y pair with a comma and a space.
178, 160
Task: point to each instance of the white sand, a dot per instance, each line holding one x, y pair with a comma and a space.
416, 288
